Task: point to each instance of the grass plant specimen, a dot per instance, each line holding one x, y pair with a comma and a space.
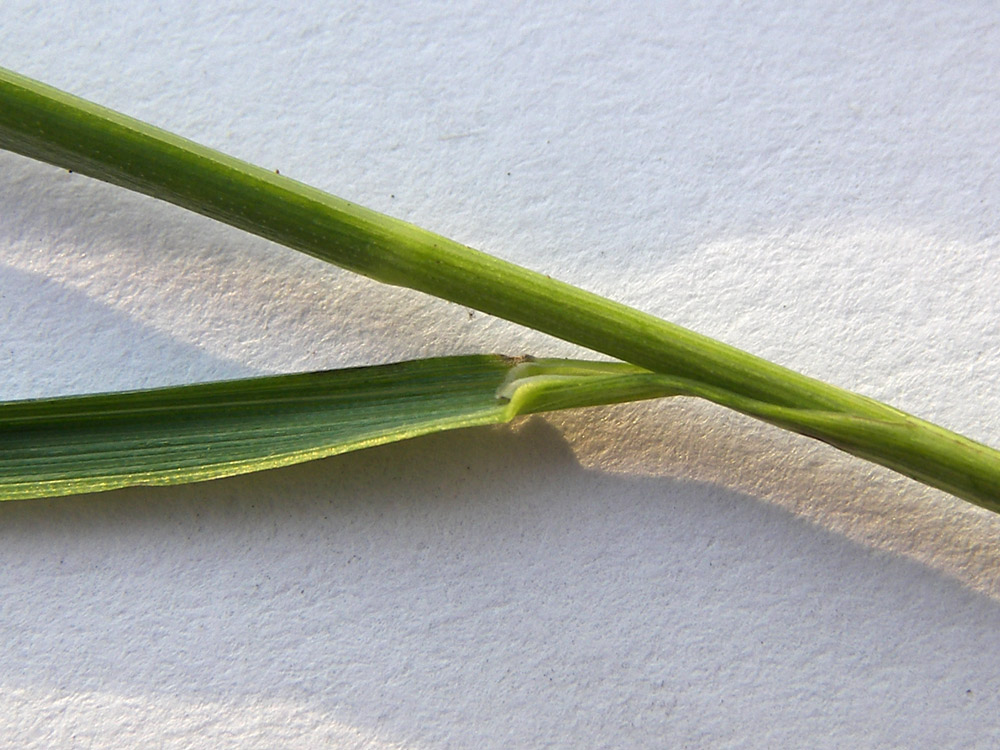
662, 358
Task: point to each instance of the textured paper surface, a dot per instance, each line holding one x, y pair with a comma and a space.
818, 185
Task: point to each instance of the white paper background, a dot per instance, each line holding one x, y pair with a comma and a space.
816, 184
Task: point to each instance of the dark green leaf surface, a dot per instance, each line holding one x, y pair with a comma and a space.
190, 433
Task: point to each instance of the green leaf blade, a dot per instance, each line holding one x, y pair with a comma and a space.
164, 436
192, 433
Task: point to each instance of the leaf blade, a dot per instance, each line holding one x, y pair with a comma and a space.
69, 445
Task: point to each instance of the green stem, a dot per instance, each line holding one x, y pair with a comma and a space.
44, 123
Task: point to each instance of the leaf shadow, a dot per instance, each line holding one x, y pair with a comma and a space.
485, 571
59, 341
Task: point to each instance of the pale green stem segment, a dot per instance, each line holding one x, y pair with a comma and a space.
44, 123
61, 446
